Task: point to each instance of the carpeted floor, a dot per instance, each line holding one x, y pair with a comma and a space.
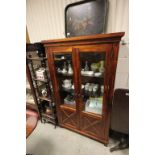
45, 140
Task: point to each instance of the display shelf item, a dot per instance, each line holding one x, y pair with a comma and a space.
94, 105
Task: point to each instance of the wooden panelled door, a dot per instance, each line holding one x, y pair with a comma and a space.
63, 69
92, 69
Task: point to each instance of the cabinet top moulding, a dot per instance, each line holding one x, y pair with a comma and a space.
99, 38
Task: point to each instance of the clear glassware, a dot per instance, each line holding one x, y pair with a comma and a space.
70, 70
86, 68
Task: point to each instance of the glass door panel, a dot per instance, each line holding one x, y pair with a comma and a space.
92, 81
64, 74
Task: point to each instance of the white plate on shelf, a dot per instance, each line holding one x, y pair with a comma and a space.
88, 73
97, 74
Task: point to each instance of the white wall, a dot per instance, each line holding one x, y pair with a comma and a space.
118, 20
122, 72
45, 20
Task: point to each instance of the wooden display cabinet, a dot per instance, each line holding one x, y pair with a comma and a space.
83, 72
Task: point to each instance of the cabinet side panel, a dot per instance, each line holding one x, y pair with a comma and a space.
112, 63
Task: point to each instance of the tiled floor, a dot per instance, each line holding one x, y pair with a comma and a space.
45, 140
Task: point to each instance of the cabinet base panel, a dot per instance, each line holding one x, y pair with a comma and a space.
105, 142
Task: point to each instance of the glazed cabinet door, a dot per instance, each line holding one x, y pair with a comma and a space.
93, 88
62, 66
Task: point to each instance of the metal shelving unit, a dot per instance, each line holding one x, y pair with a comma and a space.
36, 59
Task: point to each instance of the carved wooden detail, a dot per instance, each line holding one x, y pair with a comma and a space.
69, 117
92, 126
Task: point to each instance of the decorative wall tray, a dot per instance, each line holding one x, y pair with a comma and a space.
86, 17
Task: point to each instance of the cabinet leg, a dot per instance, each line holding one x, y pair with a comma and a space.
105, 144
55, 126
